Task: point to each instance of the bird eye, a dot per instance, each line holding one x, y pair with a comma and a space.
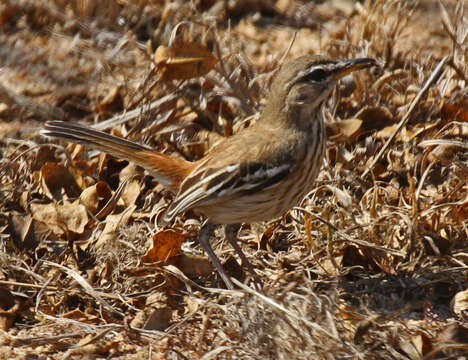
315, 76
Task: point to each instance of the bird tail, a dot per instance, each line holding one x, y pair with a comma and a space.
169, 171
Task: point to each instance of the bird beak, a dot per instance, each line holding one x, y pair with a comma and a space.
346, 67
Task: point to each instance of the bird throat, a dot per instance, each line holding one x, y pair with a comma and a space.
303, 117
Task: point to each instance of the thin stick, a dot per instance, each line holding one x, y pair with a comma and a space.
285, 55
133, 114
34, 286
405, 118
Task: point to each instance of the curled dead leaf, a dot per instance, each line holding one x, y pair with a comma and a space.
131, 175
343, 196
61, 218
156, 313
192, 265
9, 308
131, 192
96, 196
85, 167
159, 319
357, 256
183, 60
113, 102
264, 243
416, 346
73, 215
166, 244
21, 229
461, 211
459, 305
78, 315
374, 117
47, 214
44, 154
56, 178
345, 130
454, 112
9, 11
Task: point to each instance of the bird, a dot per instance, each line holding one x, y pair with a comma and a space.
255, 175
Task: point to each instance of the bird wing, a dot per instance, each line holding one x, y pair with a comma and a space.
223, 175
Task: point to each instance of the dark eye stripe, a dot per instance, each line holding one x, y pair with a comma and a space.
316, 75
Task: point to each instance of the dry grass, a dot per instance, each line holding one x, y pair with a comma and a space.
366, 267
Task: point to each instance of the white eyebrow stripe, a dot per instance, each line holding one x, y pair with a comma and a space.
311, 69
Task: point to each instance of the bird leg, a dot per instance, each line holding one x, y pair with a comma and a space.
204, 236
231, 231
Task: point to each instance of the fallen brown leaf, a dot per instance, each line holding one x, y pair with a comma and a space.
192, 265
83, 317
9, 308
56, 178
459, 305
166, 244
345, 130
183, 60
113, 102
417, 346
358, 256
21, 228
451, 112
96, 196
73, 215
61, 218
44, 154
375, 117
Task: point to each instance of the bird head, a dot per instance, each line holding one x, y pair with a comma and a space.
306, 82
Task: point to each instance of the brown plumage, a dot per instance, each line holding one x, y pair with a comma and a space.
255, 175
